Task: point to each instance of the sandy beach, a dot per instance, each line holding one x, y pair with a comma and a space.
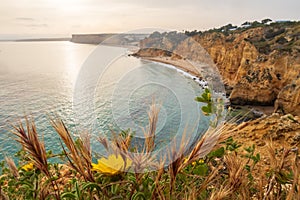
178, 63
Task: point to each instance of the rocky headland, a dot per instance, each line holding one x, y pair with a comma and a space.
124, 39
259, 64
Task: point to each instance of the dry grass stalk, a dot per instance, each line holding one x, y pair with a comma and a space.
192, 194
261, 184
208, 141
236, 179
277, 166
220, 194
158, 191
120, 144
104, 142
31, 144
145, 158
296, 182
211, 139
79, 155
12, 166
141, 162
150, 133
176, 156
294, 192
36, 149
236, 169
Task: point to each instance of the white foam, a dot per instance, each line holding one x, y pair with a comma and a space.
202, 83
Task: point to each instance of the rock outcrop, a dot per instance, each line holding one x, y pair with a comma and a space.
256, 63
276, 127
288, 100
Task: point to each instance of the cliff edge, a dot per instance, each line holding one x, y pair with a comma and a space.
260, 65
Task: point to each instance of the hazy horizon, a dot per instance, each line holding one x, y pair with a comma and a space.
62, 18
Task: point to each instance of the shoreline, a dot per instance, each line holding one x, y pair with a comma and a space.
180, 70
180, 64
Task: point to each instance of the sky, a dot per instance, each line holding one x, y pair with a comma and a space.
65, 17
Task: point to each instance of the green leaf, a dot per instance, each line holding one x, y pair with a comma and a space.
217, 153
200, 99
206, 110
201, 170
138, 195
91, 186
250, 177
114, 189
78, 191
207, 90
132, 178
204, 96
11, 182
247, 167
69, 195
256, 158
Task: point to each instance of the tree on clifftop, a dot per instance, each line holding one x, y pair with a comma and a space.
265, 21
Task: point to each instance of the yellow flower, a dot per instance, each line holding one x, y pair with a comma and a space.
201, 161
185, 160
111, 165
27, 167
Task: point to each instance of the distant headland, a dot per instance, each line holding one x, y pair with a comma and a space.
109, 38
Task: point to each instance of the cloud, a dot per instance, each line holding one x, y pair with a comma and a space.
37, 25
65, 16
30, 22
24, 19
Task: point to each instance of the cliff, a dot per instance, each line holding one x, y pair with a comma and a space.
288, 100
131, 39
90, 38
256, 63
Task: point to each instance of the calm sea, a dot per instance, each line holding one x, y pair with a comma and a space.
40, 79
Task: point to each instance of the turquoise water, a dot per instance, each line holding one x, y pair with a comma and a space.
39, 79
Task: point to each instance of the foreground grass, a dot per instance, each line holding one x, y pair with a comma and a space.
228, 171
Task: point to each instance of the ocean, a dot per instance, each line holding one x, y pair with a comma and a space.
75, 83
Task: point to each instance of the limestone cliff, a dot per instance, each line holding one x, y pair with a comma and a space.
256, 62
288, 100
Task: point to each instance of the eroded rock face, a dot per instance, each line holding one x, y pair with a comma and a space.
288, 100
257, 63
262, 81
